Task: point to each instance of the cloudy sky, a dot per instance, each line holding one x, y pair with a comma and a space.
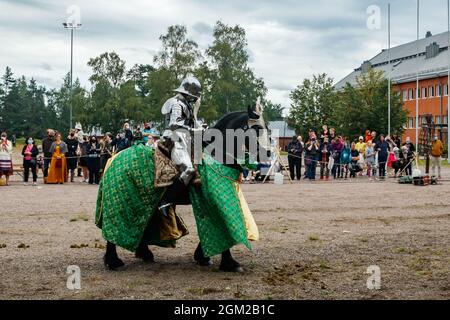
289, 40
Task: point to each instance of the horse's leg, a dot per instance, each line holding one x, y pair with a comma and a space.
144, 253
111, 259
200, 258
228, 264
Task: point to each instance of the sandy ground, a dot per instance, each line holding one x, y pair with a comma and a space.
318, 239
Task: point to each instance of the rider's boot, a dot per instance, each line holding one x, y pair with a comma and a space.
165, 207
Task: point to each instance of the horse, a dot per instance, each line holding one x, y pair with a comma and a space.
178, 193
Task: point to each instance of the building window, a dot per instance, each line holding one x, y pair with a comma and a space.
410, 122
445, 120
423, 120
405, 95
424, 93
438, 90
446, 90
431, 91
411, 94
438, 120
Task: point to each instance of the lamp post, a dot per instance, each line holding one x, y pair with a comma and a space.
389, 70
72, 27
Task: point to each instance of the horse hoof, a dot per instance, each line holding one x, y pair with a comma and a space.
146, 259
205, 263
200, 258
232, 269
113, 263
146, 256
230, 265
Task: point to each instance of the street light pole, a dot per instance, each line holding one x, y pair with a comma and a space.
389, 70
71, 77
72, 27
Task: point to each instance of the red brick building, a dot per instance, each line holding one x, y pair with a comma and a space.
432, 65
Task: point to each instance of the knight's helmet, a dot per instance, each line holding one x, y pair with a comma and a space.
191, 88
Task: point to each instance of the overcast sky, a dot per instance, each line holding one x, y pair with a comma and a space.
288, 40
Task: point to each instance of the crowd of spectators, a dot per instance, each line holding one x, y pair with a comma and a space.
76, 156
372, 155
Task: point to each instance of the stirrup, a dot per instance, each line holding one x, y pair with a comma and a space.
164, 208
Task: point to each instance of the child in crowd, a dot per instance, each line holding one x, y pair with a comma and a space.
371, 161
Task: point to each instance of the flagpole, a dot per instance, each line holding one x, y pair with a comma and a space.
389, 69
417, 79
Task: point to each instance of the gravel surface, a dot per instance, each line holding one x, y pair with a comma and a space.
318, 239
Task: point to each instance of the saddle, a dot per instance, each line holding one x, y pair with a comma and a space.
165, 170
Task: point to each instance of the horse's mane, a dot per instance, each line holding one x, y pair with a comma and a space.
234, 120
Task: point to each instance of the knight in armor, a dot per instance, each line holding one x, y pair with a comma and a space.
180, 124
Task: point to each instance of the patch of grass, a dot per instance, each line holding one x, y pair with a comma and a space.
420, 264
2, 245
252, 265
81, 217
203, 291
23, 246
444, 163
324, 266
402, 250
240, 295
99, 246
364, 240
436, 252
313, 237
79, 246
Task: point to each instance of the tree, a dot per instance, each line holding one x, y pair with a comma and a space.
24, 110
312, 104
273, 112
161, 83
365, 107
179, 54
114, 99
139, 73
234, 86
108, 66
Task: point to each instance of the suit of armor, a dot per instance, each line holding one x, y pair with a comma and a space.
179, 124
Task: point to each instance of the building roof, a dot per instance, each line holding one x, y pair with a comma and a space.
433, 61
281, 129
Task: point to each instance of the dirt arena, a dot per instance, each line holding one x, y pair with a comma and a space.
318, 239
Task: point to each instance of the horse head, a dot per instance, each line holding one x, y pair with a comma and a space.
250, 134
257, 123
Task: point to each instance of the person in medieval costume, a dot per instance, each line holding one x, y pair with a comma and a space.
79, 134
180, 124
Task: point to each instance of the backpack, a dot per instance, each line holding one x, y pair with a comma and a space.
346, 156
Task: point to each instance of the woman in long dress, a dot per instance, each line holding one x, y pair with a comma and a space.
58, 167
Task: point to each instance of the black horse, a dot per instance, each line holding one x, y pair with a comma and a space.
178, 193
